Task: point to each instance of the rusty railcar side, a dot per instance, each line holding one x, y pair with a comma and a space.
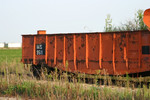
114, 52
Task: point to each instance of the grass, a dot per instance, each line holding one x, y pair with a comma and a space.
52, 88
10, 55
10, 60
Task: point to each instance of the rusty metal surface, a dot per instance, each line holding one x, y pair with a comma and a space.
114, 52
41, 32
27, 49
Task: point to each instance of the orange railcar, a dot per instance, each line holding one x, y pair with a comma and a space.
114, 52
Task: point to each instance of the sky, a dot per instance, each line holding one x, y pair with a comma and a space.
19, 17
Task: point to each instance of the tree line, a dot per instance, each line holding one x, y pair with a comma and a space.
131, 25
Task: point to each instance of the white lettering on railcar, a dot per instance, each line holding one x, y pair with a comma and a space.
39, 46
39, 52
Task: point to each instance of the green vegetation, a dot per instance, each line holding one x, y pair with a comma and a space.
130, 25
10, 55
10, 59
56, 87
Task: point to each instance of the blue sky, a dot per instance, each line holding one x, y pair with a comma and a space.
62, 16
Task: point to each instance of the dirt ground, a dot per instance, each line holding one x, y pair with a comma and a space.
14, 98
8, 98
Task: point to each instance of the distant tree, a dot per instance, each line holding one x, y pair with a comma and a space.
130, 25
108, 23
141, 25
